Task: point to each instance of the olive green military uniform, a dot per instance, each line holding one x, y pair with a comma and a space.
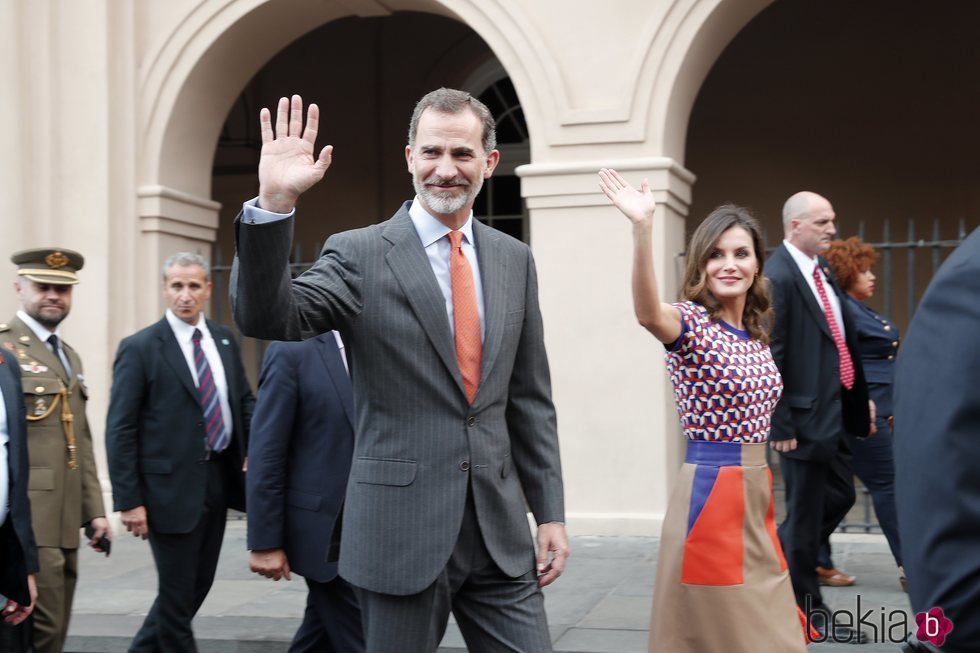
63, 485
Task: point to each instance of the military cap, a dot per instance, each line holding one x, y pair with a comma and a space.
54, 266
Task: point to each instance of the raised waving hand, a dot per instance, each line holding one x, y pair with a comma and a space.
637, 205
287, 168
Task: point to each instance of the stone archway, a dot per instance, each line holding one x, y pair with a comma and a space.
196, 72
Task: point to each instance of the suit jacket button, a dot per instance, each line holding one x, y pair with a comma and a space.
471, 421
465, 465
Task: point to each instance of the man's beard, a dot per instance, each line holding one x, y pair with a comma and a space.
48, 321
446, 204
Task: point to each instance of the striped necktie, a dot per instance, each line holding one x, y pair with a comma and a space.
207, 392
846, 364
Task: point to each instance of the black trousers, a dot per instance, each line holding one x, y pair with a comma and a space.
186, 563
818, 496
16, 639
495, 613
332, 621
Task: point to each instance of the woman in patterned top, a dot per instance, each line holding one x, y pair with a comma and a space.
722, 582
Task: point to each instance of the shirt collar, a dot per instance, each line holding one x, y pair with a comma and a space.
804, 262
430, 229
42, 332
184, 331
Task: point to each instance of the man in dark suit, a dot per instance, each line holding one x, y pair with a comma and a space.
452, 396
937, 449
18, 551
176, 437
814, 345
299, 455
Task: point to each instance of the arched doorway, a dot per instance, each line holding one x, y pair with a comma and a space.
365, 105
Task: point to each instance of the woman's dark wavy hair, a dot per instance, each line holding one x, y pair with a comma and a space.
757, 316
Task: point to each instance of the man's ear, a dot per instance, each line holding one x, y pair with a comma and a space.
409, 159
492, 160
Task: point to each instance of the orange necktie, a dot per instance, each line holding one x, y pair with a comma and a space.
466, 317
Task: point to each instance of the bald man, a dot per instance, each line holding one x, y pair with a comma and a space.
814, 345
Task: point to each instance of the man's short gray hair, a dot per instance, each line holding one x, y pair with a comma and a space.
184, 259
452, 101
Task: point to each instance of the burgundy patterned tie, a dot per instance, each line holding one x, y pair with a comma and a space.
846, 365
207, 392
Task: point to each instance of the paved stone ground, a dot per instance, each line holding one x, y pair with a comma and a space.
600, 605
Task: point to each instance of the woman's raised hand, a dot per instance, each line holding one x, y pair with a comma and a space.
637, 205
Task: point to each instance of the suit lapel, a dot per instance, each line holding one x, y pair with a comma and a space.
337, 372
804, 289
223, 342
410, 266
173, 356
494, 308
12, 396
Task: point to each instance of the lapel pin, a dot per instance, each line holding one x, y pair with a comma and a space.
224, 341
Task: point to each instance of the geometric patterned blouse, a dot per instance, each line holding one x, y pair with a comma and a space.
726, 384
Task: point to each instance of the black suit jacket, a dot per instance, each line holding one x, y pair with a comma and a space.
155, 428
18, 553
937, 447
815, 409
299, 453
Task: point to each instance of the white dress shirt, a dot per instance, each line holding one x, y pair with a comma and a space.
806, 265
43, 333
184, 333
434, 236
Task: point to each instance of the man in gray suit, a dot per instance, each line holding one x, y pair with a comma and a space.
455, 427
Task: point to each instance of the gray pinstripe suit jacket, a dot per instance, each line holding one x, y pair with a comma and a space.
418, 443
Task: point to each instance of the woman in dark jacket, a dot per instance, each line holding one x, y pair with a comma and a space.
874, 460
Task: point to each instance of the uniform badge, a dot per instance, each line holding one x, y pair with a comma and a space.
34, 367
9, 344
56, 260
40, 406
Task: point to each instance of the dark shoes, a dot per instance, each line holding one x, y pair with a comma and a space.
912, 645
840, 634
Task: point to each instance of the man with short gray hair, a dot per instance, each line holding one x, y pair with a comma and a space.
176, 437
455, 426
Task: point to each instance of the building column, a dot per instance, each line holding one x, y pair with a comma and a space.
620, 436
170, 221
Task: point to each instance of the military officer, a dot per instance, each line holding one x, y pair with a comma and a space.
63, 485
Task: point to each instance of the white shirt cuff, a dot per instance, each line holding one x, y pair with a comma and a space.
253, 214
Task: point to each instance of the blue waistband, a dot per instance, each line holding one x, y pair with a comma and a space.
716, 454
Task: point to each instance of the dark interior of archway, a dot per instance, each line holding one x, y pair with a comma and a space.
870, 103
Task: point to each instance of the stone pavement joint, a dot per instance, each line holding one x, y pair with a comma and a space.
600, 605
